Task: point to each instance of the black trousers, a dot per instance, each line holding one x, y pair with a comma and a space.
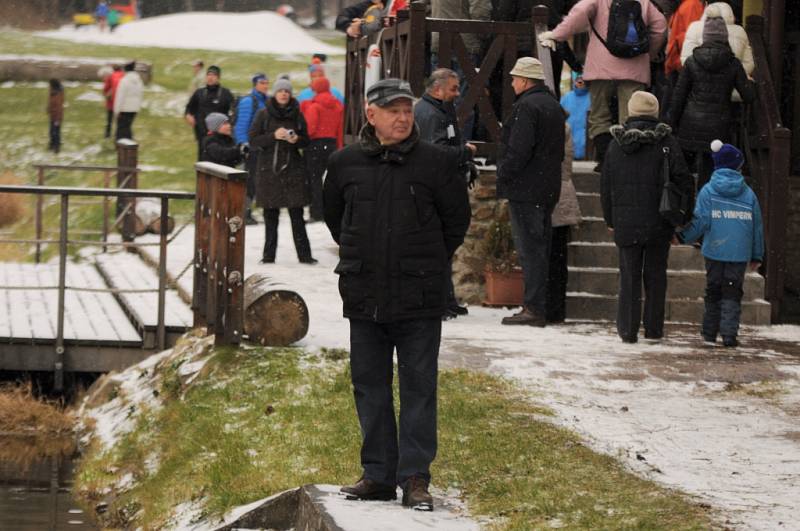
251, 167
125, 125
55, 136
557, 276
701, 164
316, 155
299, 233
109, 121
531, 229
642, 262
386, 457
723, 301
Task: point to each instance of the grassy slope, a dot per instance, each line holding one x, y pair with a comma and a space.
261, 421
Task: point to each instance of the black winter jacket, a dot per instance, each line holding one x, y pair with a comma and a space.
632, 180
346, 15
203, 102
221, 149
532, 148
701, 102
438, 124
282, 180
398, 213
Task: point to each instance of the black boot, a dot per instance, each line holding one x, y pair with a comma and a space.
366, 489
601, 143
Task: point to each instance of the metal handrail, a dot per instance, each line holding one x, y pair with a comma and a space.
65, 193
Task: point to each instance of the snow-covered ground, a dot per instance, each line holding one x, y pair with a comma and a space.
686, 416
258, 32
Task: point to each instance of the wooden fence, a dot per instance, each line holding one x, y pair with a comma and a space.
405, 53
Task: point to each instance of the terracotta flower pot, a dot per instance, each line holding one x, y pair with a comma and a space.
503, 288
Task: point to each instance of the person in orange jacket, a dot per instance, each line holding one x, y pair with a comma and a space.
687, 12
324, 114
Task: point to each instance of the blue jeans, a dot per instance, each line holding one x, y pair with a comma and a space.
531, 228
386, 458
723, 301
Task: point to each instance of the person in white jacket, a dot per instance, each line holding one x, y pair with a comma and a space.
128, 101
737, 38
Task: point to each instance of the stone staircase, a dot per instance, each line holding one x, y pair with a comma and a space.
594, 277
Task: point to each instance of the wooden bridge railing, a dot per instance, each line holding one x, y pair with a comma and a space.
218, 294
127, 176
768, 151
405, 52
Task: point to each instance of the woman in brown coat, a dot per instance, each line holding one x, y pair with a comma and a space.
277, 132
55, 110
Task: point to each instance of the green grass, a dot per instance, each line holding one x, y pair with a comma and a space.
264, 420
167, 148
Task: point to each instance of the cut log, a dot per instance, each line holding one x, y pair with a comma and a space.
148, 217
273, 315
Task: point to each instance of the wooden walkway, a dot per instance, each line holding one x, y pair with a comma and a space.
103, 330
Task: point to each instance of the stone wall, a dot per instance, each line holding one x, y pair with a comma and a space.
469, 259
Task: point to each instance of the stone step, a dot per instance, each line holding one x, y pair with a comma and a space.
584, 179
604, 308
590, 204
680, 284
605, 254
592, 229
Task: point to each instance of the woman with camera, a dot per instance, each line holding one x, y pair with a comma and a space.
277, 133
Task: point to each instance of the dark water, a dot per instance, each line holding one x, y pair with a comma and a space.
35, 485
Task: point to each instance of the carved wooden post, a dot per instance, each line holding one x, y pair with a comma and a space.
202, 227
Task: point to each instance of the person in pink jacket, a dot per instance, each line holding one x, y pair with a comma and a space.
641, 33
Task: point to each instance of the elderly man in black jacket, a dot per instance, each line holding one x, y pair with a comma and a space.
436, 118
529, 176
630, 191
398, 209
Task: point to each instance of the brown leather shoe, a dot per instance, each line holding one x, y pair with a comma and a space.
366, 489
525, 317
416, 495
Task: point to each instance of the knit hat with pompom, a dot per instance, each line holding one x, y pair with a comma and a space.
726, 156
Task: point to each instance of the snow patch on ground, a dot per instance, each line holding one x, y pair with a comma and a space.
258, 32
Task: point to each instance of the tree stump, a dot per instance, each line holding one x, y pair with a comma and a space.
273, 316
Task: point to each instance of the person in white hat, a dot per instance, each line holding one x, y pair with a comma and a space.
529, 176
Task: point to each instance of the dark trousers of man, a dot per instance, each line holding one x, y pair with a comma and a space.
299, 233
317, 154
55, 136
531, 228
723, 302
125, 125
385, 457
557, 276
109, 121
648, 262
251, 167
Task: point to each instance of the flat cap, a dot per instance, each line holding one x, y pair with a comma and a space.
386, 91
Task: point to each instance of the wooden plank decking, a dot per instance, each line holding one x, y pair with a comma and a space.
30, 315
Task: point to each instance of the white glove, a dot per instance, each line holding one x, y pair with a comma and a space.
546, 39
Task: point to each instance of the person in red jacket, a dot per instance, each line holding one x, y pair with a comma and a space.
324, 114
110, 83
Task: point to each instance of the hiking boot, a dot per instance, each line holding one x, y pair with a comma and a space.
449, 315
730, 342
525, 317
629, 339
601, 143
249, 219
309, 260
458, 310
366, 489
416, 495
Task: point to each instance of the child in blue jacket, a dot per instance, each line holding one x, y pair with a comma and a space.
728, 217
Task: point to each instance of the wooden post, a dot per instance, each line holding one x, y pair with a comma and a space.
231, 303
417, 32
214, 200
776, 11
162, 274
127, 157
201, 230
106, 184
779, 163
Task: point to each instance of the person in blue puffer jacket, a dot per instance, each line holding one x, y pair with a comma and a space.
577, 103
246, 111
728, 217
